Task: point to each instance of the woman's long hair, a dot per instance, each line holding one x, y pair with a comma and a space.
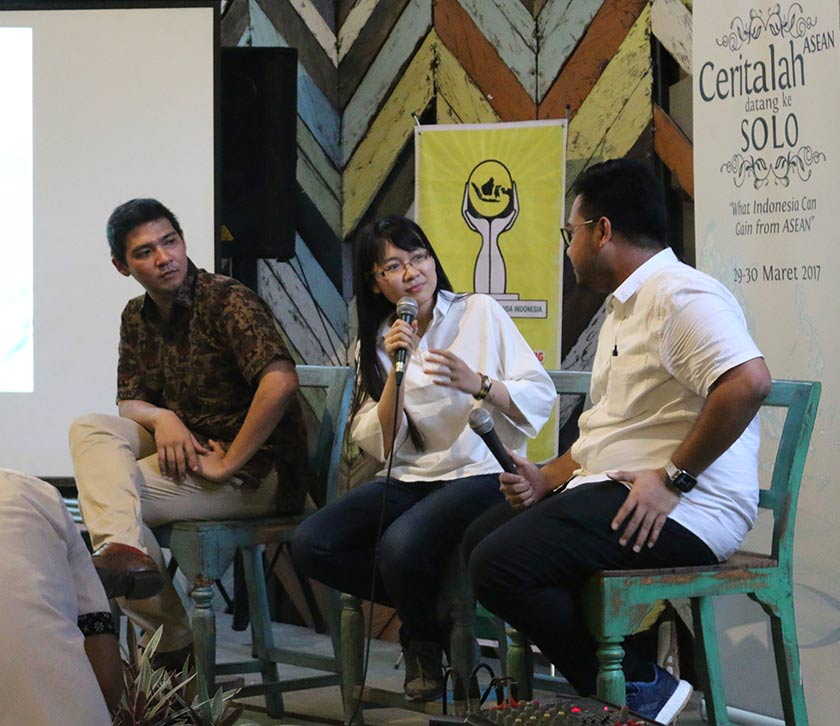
374, 308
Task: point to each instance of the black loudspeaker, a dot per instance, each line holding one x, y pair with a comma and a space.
259, 152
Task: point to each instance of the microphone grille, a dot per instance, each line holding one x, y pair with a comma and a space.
481, 421
406, 306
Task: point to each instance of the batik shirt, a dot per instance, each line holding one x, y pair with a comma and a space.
203, 362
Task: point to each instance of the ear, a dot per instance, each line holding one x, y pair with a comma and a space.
121, 267
604, 228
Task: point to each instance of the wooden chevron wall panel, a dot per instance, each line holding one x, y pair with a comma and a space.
619, 107
560, 27
392, 126
481, 61
599, 44
383, 71
368, 68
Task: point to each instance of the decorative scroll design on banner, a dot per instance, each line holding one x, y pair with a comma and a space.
793, 23
798, 162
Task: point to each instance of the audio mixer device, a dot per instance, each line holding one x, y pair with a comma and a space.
566, 711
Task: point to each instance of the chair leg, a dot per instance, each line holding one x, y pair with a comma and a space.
786, 653
462, 643
501, 638
263, 639
610, 682
352, 657
204, 636
708, 659
331, 603
520, 664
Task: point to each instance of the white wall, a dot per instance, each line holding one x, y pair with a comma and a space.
123, 107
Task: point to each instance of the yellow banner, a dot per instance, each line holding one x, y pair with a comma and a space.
490, 198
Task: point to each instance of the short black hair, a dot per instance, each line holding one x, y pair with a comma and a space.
630, 196
130, 215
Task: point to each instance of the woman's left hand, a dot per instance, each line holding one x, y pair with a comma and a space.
449, 370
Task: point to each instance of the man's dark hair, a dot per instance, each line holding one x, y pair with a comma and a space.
626, 192
130, 215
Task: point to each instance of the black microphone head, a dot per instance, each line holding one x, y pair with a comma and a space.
481, 421
407, 308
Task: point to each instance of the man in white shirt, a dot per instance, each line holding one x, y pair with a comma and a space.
60, 660
664, 472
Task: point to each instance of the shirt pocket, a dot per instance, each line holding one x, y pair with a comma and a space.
631, 380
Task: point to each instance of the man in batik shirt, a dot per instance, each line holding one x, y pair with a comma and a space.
208, 427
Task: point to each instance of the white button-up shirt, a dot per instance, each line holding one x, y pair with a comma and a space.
477, 330
670, 333
48, 582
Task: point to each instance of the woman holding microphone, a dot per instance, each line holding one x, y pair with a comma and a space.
393, 535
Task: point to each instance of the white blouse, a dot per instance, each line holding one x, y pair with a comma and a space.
476, 329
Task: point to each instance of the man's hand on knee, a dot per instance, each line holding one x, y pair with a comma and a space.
177, 447
646, 508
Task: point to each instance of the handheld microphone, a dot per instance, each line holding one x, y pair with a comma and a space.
481, 422
406, 310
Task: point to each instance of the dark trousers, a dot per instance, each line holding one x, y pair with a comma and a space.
422, 523
527, 567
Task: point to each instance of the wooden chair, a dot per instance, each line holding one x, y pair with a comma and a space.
205, 550
617, 601
456, 601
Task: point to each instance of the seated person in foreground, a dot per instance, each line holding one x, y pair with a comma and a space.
208, 428
59, 655
664, 472
463, 351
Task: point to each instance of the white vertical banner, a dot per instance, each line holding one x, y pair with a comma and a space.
766, 81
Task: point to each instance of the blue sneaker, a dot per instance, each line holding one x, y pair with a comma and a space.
661, 699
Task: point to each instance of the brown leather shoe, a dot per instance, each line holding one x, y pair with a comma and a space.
126, 571
173, 660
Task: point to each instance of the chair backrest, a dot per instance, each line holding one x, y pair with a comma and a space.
337, 382
571, 381
800, 399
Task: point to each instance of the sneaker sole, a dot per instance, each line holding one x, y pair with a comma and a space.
676, 703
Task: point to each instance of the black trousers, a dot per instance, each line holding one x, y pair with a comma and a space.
527, 567
422, 523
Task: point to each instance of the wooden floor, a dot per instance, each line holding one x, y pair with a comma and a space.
322, 706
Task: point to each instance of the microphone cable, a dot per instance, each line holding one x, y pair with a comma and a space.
379, 530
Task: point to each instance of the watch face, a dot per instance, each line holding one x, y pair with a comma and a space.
684, 481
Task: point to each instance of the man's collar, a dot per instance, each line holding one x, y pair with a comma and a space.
642, 274
184, 297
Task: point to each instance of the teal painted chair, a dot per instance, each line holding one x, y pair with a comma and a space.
456, 602
616, 602
205, 550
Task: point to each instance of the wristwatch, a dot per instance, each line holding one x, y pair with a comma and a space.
680, 479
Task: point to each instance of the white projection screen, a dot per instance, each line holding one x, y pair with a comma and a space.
99, 103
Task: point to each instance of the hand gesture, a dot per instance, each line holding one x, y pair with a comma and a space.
177, 448
401, 336
646, 508
526, 488
447, 369
212, 465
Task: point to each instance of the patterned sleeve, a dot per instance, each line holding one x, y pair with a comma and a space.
132, 377
251, 331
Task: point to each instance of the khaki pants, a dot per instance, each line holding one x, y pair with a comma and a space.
122, 494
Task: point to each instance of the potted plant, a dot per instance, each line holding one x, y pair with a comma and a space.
158, 697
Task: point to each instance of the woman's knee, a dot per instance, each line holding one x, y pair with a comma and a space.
309, 548
401, 553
